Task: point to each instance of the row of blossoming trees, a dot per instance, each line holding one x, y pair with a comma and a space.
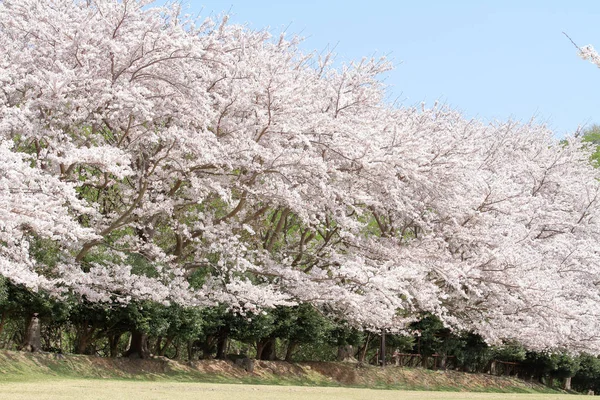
200, 163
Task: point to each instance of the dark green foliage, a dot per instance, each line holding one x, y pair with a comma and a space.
565, 365
18, 305
588, 374
538, 364
400, 343
23, 303
251, 328
469, 350
301, 324
546, 367
472, 353
430, 335
510, 352
342, 334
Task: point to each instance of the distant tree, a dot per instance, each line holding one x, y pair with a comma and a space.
591, 135
588, 376
299, 325
566, 367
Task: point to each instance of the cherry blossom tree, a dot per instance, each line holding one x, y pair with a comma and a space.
201, 162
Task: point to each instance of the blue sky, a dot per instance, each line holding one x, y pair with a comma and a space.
489, 59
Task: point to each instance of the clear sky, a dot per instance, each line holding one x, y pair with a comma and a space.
489, 59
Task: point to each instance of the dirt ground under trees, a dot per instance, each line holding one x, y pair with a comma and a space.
20, 366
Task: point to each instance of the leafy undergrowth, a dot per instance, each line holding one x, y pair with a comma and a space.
19, 366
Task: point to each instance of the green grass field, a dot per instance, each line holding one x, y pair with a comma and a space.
115, 389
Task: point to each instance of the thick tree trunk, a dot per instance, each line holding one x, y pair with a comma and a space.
260, 346
81, 344
493, 368
292, 346
162, 349
382, 348
190, 350
177, 355
269, 350
207, 347
113, 343
3, 321
222, 347
157, 346
83, 338
567, 384
33, 336
362, 352
139, 346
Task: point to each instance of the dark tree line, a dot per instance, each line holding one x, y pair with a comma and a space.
299, 333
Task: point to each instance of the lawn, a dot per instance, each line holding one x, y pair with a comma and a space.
116, 389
